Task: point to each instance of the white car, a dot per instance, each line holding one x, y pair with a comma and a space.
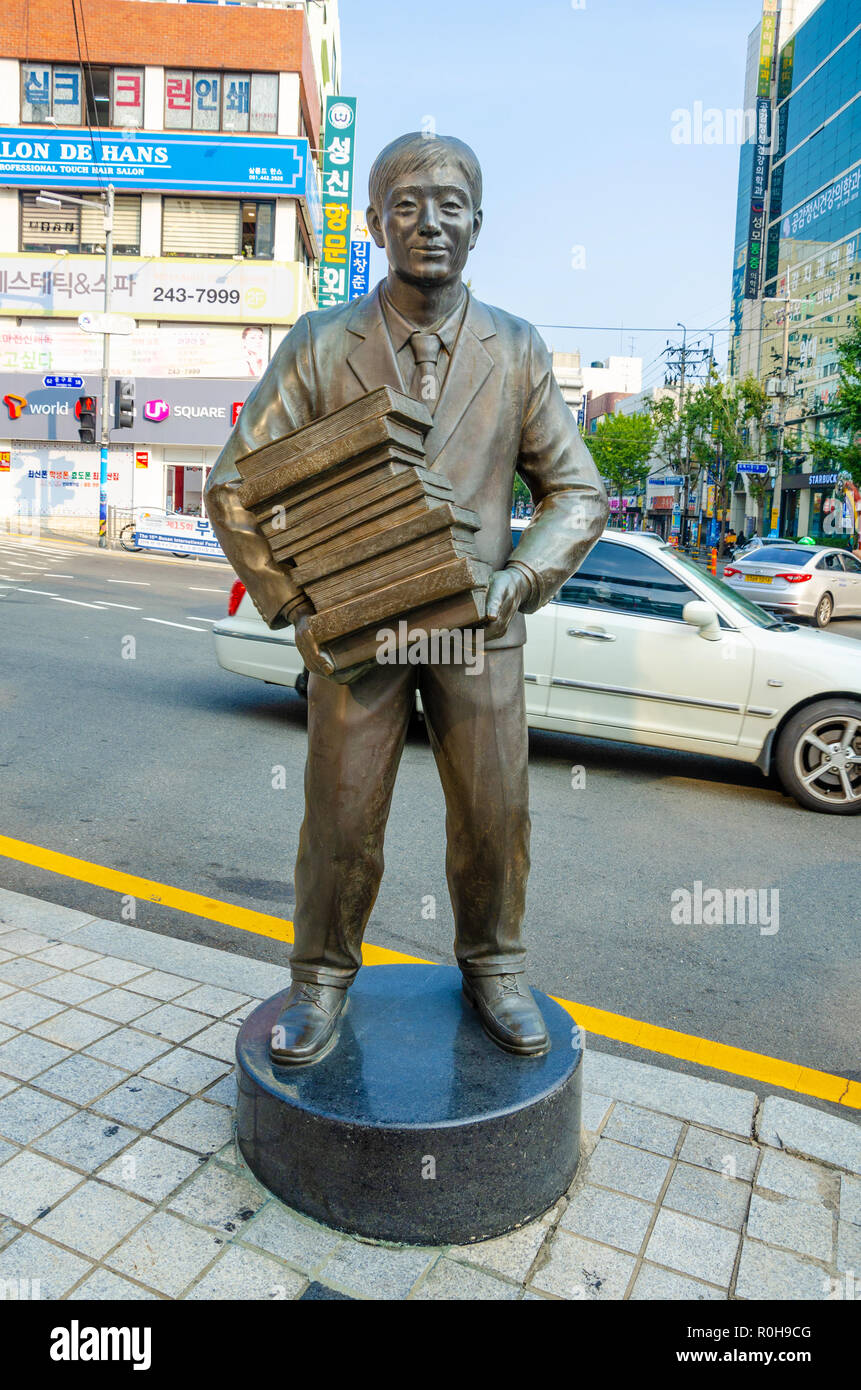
816, 582
643, 646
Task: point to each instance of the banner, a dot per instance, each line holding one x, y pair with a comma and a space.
762, 151
338, 157
190, 534
160, 287
165, 350
360, 257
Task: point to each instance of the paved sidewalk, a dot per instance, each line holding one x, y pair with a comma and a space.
119, 1177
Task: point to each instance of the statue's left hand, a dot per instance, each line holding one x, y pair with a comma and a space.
505, 593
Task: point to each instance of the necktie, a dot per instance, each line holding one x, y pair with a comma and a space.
426, 350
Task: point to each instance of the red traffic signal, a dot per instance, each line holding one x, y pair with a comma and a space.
85, 411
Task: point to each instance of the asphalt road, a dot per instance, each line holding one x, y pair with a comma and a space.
145, 756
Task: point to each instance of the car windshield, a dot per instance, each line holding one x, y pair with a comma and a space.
737, 601
798, 556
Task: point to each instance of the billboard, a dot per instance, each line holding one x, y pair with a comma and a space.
196, 411
762, 151
31, 410
155, 287
339, 147
168, 161
163, 349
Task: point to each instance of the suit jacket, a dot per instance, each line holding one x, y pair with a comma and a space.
500, 411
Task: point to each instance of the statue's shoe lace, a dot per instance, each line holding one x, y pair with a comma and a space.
508, 1012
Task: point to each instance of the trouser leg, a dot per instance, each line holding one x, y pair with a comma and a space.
356, 735
477, 727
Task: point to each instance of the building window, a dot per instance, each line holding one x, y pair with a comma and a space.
80, 230
105, 97
217, 227
220, 101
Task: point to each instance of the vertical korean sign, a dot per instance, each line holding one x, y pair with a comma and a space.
339, 147
762, 151
360, 257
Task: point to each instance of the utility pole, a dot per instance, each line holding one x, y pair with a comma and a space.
106, 370
678, 359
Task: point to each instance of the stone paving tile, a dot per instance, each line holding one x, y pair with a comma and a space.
849, 1248
209, 999
128, 1049
171, 1022
224, 1091
73, 1029
374, 1271
6, 1150
447, 1280
70, 989
104, 1287
767, 1274
785, 1124
720, 1153
594, 1111
26, 972
654, 1284
217, 1041
240, 1273
79, 1078
165, 1253
218, 1198
607, 1217
139, 1102
512, 1254
579, 1269
291, 1238
22, 1009
6, 1032
804, 1227
25, 1057
850, 1199
112, 971
628, 1170
17, 909
708, 1195
150, 1168
121, 1005
643, 1129
201, 1126
32, 1258
86, 1141
240, 1015
710, 1103
8, 1231
793, 1177
162, 985
25, 1114
22, 942
29, 1184
185, 1070
693, 1247
93, 1219
66, 957
4, 988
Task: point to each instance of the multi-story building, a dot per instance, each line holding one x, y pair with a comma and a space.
206, 120
797, 263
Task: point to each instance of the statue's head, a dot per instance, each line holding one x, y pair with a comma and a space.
425, 206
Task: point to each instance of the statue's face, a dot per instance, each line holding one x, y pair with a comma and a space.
427, 224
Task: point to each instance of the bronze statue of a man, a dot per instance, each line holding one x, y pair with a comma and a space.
497, 410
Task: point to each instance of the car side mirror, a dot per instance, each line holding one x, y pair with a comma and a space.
701, 615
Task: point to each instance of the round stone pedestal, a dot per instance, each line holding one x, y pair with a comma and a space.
415, 1128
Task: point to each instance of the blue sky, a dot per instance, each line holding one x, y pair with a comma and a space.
570, 112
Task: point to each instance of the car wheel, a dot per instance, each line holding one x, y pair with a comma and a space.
302, 683
824, 609
819, 757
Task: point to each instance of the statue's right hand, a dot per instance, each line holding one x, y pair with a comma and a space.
318, 661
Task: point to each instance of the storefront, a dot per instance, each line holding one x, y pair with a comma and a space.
809, 506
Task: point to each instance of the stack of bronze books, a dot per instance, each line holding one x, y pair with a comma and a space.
372, 536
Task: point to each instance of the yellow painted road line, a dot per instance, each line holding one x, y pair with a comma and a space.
754, 1066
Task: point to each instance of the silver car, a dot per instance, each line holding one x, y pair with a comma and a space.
815, 582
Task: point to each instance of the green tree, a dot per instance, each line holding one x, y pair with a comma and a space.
621, 446
726, 424
844, 419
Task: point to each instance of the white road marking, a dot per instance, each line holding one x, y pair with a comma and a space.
137, 583
196, 589
55, 575
196, 618
44, 593
34, 569
77, 602
166, 623
132, 607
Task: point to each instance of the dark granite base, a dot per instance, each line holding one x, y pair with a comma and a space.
415, 1128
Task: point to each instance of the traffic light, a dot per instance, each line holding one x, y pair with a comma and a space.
85, 409
124, 403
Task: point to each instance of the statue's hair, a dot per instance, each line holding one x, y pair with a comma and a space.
416, 151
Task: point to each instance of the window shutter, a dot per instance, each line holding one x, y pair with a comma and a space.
42, 225
127, 223
201, 227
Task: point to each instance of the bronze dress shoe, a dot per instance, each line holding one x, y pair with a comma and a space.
509, 1014
306, 1029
